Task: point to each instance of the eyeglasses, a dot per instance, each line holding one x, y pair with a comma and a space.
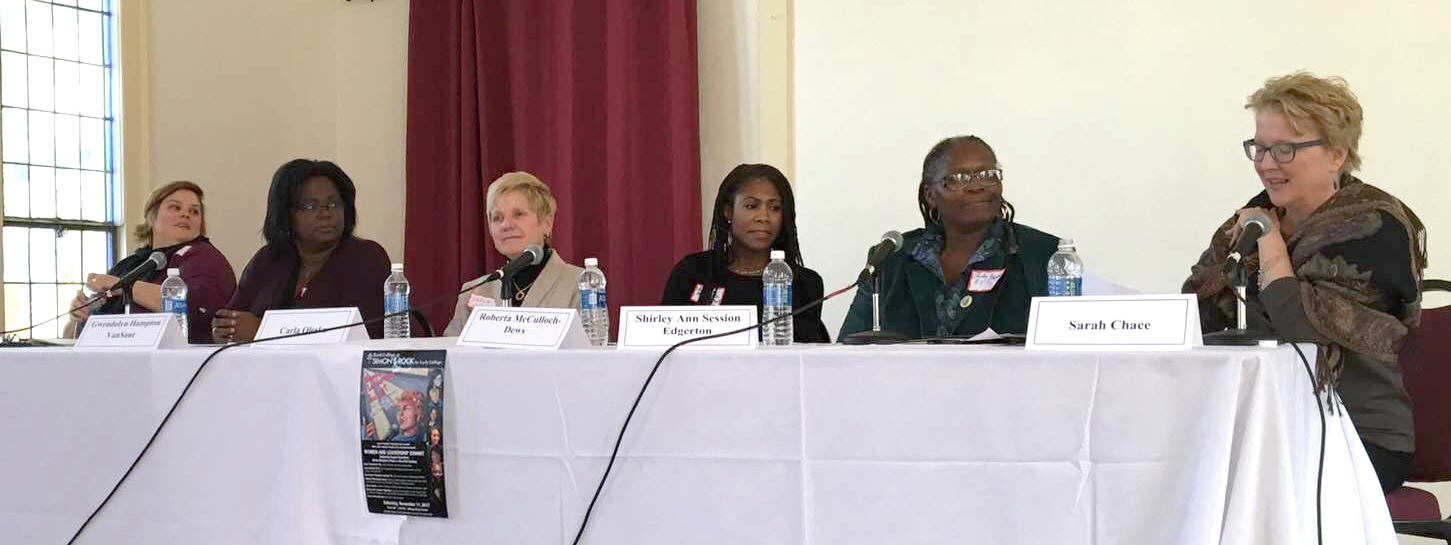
1283, 153
313, 206
959, 180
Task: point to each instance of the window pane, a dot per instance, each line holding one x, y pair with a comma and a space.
97, 5
62, 2
68, 193
66, 41
17, 191
42, 254
93, 196
41, 82
42, 192
12, 25
15, 128
69, 257
67, 141
67, 87
12, 72
17, 254
42, 138
43, 307
92, 50
38, 27
17, 307
93, 144
92, 92
97, 246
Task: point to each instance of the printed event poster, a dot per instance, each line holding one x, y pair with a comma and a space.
402, 417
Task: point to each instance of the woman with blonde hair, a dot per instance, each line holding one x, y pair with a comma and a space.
520, 211
175, 226
1339, 265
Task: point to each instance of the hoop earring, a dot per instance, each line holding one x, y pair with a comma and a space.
934, 216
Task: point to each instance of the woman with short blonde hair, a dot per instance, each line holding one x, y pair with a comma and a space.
1339, 265
519, 210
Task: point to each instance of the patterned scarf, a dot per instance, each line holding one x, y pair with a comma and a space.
1338, 298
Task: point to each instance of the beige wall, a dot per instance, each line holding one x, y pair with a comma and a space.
226, 93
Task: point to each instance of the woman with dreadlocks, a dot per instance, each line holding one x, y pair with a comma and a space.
970, 268
755, 213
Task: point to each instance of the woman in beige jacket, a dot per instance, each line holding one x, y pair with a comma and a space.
521, 212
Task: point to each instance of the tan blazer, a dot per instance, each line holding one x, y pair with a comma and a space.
556, 287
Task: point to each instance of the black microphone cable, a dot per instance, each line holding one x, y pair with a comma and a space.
646, 386
208, 360
1314, 391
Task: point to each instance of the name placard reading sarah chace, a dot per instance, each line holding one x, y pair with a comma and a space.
533, 328
159, 330
280, 323
661, 327
1128, 322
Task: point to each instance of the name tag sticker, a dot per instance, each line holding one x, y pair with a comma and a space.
661, 327
532, 328
280, 323
159, 330
1133, 322
476, 300
984, 280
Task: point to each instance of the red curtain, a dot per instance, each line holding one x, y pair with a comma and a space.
596, 97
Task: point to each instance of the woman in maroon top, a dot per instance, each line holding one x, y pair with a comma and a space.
175, 226
311, 259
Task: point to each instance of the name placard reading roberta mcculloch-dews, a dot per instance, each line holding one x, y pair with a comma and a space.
402, 435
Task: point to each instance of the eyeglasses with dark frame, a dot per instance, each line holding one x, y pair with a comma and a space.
1283, 153
958, 180
314, 206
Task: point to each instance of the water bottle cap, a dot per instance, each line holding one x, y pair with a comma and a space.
1065, 243
397, 266
591, 262
778, 254
173, 271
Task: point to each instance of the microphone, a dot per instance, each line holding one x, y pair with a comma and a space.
156, 261
891, 242
532, 255
1251, 228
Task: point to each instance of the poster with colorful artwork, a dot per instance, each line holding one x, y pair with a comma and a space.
401, 402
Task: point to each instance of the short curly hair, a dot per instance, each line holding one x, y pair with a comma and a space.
1312, 103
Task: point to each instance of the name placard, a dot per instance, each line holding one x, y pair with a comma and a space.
661, 327
531, 328
280, 323
1124, 322
159, 330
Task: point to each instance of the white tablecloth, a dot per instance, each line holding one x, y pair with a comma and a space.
810, 445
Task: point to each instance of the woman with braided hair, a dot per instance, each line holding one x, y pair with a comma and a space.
970, 267
755, 212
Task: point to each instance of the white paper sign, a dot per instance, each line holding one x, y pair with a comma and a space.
159, 330
533, 328
661, 327
1125, 322
278, 323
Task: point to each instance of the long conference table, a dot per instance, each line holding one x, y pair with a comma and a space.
800, 445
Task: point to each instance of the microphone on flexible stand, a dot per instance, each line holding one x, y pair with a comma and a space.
532, 255
1251, 227
891, 242
154, 262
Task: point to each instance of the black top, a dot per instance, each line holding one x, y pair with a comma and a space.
703, 279
523, 279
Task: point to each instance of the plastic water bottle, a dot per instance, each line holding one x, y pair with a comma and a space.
594, 312
1065, 271
395, 299
173, 298
776, 299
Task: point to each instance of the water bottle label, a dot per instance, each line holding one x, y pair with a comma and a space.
1065, 286
592, 299
776, 295
173, 305
395, 303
